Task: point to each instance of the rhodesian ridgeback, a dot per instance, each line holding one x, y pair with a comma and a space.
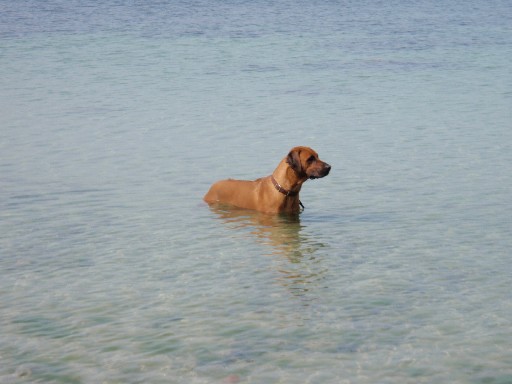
276, 193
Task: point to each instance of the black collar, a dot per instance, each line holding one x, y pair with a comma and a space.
281, 189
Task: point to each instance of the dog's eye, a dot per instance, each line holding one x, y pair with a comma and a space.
310, 159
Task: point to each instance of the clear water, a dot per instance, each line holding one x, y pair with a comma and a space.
115, 119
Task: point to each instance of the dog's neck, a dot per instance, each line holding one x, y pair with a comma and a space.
287, 178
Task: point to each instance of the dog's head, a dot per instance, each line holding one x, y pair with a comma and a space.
305, 162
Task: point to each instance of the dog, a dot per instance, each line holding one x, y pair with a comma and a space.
277, 193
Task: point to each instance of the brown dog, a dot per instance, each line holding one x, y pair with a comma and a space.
276, 193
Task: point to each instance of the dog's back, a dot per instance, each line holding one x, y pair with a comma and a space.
240, 193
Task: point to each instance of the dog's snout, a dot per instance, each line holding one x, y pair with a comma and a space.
327, 168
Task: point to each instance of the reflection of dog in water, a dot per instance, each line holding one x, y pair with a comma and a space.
282, 234
276, 193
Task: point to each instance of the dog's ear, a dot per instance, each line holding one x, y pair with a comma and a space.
293, 161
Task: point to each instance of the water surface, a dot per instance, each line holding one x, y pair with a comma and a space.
115, 119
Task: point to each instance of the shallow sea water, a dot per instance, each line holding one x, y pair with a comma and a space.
114, 121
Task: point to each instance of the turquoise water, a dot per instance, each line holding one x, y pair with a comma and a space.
116, 118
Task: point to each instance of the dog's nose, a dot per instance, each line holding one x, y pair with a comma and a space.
327, 169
